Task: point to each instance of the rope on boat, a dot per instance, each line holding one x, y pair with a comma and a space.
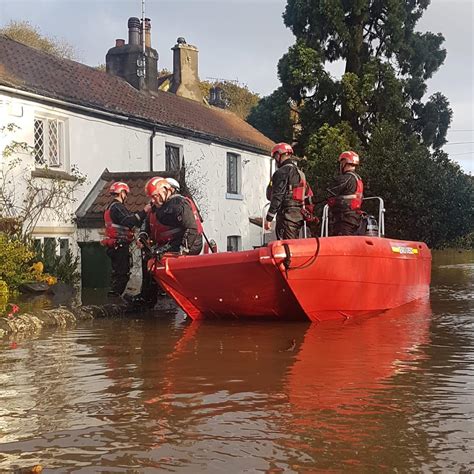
308, 263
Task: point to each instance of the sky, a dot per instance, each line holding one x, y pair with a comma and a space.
244, 39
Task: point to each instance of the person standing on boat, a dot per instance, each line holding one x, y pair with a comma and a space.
346, 196
119, 224
178, 223
287, 192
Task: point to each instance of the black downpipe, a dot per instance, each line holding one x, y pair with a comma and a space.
151, 148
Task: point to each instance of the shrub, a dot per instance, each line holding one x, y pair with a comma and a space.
15, 260
63, 268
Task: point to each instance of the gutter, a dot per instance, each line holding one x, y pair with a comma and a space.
142, 123
14, 91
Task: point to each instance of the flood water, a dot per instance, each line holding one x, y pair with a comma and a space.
388, 393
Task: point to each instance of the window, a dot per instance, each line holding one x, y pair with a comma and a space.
172, 157
233, 243
51, 247
233, 173
49, 142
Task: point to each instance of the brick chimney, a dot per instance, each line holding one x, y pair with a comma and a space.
125, 60
185, 82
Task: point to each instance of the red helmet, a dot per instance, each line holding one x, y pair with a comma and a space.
350, 157
281, 148
118, 187
150, 186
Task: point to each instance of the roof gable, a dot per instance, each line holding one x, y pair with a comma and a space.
31, 70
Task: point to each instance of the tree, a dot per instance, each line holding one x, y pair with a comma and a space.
386, 65
24, 32
377, 107
273, 117
238, 98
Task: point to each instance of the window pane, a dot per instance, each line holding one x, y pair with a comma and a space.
172, 162
233, 243
63, 247
53, 142
232, 173
39, 142
49, 251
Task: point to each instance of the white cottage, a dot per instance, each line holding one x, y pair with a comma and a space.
74, 116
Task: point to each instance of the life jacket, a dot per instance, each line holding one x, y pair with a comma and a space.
115, 233
298, 193
162, 234
350, 201
302, 193
196, 215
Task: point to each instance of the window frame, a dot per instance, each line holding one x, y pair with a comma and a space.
45, 137
238, 241
231, 191
180, 156
40, 239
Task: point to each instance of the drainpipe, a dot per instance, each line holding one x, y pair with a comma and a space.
151, 148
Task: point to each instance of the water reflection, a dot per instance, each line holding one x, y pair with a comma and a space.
383, 392
340, 369
291, 391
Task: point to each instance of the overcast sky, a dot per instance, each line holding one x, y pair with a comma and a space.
244, 39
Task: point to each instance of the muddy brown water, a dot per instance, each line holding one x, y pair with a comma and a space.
388, 393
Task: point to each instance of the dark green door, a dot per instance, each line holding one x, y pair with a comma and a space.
95, 265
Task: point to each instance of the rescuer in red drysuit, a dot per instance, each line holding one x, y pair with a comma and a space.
346, 196
289, 194
173, 221
119, 224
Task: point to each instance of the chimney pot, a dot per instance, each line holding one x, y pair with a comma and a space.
147, 32
133, 30
123, 59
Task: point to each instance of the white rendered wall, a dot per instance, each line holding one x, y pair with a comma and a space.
95, 144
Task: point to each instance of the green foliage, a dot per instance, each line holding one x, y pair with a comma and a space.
239, 99
15, 259
24, 32
323, 146
465, 242
65, 268
272, 116
386, 65
426, 197
377, 107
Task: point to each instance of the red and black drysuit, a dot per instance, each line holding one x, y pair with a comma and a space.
119, 224
345, 204
287, 193
177, 224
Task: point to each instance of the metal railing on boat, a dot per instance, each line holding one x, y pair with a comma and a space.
325, 219
381, 217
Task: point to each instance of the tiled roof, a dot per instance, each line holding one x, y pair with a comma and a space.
34, 71
93, 216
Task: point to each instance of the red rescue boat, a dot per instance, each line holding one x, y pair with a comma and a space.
320, 279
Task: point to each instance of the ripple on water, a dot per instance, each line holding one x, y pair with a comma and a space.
388, 393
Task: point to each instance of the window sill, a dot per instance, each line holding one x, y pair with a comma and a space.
235, 197
52, 174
